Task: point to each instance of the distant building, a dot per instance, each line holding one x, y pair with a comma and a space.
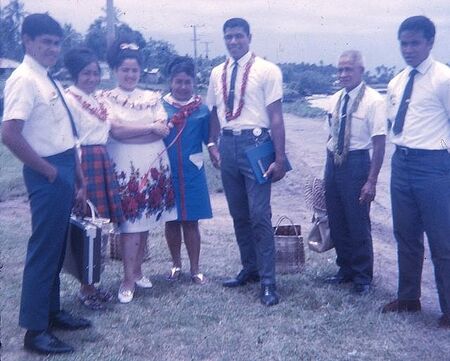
152, 76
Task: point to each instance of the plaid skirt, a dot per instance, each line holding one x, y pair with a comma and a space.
102, 186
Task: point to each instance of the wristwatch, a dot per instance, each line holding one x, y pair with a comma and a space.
211, 144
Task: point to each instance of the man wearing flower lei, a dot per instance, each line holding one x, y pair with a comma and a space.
357, 123
245, 95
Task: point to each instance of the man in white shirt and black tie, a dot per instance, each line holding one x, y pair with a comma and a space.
419, 111
357, 124
245, 96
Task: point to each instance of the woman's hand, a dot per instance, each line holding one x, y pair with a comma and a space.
79, 207
160, 128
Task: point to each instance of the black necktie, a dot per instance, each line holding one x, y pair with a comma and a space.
230, 102
72, 123
340, 145
400, 118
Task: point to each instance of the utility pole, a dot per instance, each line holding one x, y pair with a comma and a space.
110, 22
195, 40
206, 43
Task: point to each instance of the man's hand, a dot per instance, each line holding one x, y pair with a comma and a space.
79, 207
214, 156
367, 194
275, 172
51, 173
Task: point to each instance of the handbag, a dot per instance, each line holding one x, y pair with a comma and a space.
290, 253
319, 239
85, 246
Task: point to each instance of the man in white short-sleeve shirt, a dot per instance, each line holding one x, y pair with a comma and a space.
357, 123
245, 95
37, 129
419, 111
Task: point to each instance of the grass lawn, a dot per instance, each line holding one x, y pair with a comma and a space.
181, 321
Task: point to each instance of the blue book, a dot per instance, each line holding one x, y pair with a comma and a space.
260, 158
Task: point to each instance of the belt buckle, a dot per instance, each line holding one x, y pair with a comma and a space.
403, 150
257, 132
236, 131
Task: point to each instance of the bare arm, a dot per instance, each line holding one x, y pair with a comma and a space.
138, 132
214, 130
368, 191
12, 137
276, 170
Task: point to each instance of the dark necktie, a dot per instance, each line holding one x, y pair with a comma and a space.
400, 118
72, 123
230, 102
340, 145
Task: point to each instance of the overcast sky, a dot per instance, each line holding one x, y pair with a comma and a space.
283, 30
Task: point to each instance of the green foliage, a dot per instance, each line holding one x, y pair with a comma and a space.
11, 17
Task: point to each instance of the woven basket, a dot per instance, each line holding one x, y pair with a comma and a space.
290, 253
114, 246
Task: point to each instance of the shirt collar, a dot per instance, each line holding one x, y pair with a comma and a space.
33, 64
352, 93
423, 67
171, 100
243, 60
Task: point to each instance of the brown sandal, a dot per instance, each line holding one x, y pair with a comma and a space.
175, 274
199, 279
91, 302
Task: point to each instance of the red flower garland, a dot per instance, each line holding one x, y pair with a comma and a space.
100, 113
228, 114
185, 110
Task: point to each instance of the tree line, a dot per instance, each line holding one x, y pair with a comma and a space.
301, 79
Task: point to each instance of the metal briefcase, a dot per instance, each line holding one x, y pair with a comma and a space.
83, 251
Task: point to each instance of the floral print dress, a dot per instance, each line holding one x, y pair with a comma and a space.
142, 170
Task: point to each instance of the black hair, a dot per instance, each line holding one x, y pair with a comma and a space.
181, 64
76, 59
121, 49
418, 23
237, 22
41, 24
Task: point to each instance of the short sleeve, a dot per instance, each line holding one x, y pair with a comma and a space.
273, 85
19, 98
158, 110
378, 119
211, 100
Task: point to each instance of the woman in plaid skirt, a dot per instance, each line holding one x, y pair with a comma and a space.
94, 125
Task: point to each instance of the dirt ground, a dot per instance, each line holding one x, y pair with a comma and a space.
306, 151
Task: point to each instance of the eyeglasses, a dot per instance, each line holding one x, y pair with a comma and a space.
130, 46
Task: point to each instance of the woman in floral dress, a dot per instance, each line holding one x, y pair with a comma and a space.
141, 165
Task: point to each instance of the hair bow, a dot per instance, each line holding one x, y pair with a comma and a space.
130, 46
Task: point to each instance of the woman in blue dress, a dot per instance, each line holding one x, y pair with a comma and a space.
190, 120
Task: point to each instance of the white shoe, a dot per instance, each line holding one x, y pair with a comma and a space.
144, 282
125, 296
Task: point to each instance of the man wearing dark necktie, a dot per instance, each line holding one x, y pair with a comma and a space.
357, 124
38, 131
419, 110
245, 96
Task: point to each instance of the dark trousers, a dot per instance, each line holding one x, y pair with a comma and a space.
420, 191
249, 205
50, 204
349, 220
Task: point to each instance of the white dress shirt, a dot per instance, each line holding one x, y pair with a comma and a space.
91, 129
30, 96
368, 121
264, 86
427, 120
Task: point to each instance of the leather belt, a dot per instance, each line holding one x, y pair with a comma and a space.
237, 132
413, 151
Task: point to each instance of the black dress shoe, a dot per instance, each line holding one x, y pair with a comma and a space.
45, 343
241, 279
65, 321
269, 296
337, 279
361, 289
